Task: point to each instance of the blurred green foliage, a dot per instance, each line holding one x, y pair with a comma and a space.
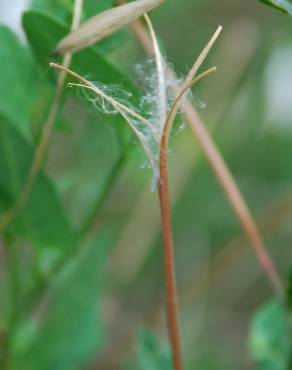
71, 331
44, 204
151, 355
17, 77
85, 217
271, 338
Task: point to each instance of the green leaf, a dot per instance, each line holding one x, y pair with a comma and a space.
20, 85
283, 5
44, 32
289, 294
91, 8
71, 331
152, 355
270, 339
43, 220
62, 11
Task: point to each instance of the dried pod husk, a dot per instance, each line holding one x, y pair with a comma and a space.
103, 25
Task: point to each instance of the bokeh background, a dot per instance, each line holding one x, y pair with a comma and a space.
247, 107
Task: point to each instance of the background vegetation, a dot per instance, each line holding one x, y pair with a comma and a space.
80, 278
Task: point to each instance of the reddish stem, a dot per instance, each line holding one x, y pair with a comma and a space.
169, 266
223, 174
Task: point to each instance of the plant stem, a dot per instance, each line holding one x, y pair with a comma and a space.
222, 173
165, 123
234, 197
169, 266
43, 144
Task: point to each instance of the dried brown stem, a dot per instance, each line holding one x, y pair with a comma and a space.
166, 122
123, 110
222, 262
46, 134
104, 24
169, 267
222, 172
160, 65
234, 196
163, 187
179, 100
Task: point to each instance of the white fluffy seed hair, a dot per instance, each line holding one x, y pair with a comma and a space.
160, 104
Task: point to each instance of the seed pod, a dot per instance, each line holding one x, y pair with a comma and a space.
103, 24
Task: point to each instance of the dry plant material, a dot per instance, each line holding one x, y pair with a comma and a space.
103, 25
157, 131
221, 171
46, 134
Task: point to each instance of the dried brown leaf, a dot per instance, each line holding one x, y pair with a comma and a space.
103, 25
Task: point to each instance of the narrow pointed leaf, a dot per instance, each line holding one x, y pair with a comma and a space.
20, 85
43, 220
62, 10
43, 32
104, 24
283, 5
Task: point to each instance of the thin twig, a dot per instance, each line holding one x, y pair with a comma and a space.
166, 121
201, 58
46, 134
169, 266
178, 101
163, 187
165, 210
160, 65
116, 104
222, 262
235, 197
123, 110
222, 172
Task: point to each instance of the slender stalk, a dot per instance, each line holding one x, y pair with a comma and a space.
119, 106
160, 65
223, 174
235, 198
166, 122
123, 110
165, 210
179, 99
163, 187
46, 134
169, 266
